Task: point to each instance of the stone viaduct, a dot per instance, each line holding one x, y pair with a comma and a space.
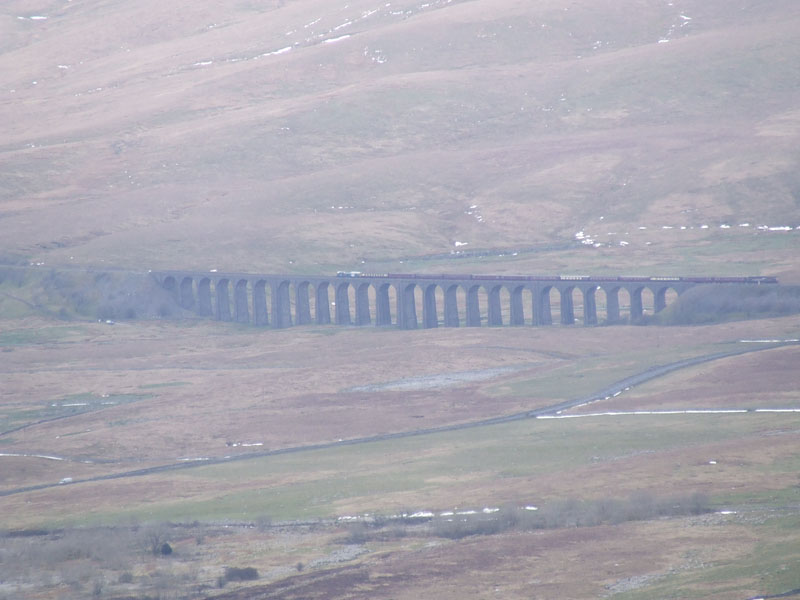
445, 300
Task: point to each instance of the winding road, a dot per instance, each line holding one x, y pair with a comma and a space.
548, 411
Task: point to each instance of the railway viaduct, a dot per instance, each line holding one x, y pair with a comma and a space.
385, 300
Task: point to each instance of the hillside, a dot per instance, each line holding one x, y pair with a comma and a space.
147, 452
307, 135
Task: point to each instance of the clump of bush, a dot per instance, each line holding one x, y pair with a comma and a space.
240, 574
714, 304
571, 513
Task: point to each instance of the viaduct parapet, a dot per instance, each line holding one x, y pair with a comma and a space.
441, 300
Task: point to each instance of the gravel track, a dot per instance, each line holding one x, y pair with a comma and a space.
628, 382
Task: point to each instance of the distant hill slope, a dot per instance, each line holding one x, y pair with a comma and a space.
308, 134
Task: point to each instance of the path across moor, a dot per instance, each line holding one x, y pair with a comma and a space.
549, 411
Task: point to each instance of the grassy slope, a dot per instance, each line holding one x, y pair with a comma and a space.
134, 152
547, 119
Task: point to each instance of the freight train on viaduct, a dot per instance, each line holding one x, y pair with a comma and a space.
448, 300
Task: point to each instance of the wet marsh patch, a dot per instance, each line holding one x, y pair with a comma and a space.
13, 417
773, 561
450, 468
42, 335
582, 376
151, 386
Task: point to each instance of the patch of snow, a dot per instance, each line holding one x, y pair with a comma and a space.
283, 50
649, 413
422, 514
336, 39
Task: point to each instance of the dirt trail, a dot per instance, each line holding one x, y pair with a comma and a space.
609, 391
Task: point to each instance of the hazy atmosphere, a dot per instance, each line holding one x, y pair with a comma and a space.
448, 299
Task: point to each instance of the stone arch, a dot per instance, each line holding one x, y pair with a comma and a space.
663, 296
494, 310
240, 301
342, 301
407, 306
542, 305
223, 305
528, 300
625, 301
281, 304
589, 302
363, 316
473, 306
516, 315
187, 293
430, 314
451, 312
567, 305
383, 304
611, 304
260, 311
302, 303
204, 307
322, 303
648, 301
171, 286
636, 304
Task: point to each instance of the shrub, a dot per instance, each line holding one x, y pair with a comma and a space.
126, 577
240, 574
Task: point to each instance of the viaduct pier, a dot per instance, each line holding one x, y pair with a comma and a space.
394, 299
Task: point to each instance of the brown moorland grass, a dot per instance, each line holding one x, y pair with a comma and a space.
759, 380
287, 388
193, 144
265, 380
173, 135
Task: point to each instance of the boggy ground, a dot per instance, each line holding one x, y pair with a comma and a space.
159, 391
199, 389
590, 562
